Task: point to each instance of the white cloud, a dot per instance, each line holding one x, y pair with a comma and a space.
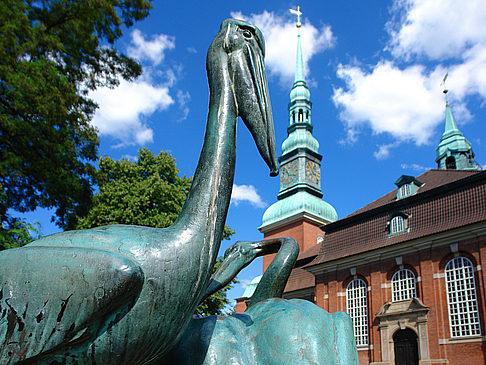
469, 77
183, 99
281, 41
415, 167
246, 193
152, 50
384, 151
440, 30
406, 104
437, 29
401, 97
122, 110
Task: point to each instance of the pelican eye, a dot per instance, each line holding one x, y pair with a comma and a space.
247, 34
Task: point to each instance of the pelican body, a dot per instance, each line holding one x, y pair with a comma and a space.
271, 330
124, 294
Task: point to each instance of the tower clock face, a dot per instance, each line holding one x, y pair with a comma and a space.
312, 172
289, 173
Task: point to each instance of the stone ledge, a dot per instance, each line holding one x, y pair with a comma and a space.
451, 341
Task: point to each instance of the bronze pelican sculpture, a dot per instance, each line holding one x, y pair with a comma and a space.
272, 330
124, 294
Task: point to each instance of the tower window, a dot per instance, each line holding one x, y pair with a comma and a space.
301, 115
357, 308
450, 163
403, 285
461, 298
397, 224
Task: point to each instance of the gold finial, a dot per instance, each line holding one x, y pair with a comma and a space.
298, 13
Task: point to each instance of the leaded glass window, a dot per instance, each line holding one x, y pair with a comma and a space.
397, 224
461, 298
403, 285
405, 190
357, 308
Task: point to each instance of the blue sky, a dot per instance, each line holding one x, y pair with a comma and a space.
374, 70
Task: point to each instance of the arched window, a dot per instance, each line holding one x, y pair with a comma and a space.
357, 308
397, 224
461, 298
450, 163
403, 285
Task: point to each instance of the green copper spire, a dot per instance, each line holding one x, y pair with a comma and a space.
450, 123
300, 105
299, 64
454, 150
300, 178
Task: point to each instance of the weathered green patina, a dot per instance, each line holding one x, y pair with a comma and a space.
272, 330
454, 150
124, 294
300, 164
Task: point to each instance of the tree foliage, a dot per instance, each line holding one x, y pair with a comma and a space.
52, 53
146, 192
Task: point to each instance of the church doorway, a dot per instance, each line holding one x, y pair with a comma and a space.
406, 347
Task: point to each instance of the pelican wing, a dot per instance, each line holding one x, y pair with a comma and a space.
56, 299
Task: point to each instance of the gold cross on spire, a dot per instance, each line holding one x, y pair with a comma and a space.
298, 13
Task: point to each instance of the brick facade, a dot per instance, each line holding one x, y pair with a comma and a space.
446, 219
428, 265
306, 233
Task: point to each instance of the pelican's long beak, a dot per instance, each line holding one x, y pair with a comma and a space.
253, 102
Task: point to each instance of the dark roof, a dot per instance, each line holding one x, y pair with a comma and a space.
299, 279
447, 199
310, 253
430, 180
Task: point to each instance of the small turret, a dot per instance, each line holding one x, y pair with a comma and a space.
454, 151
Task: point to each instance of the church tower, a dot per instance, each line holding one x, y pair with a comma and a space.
454, 151
299, 211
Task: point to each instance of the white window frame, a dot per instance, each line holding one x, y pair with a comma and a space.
357, 308
405, 190
397, 225
462, 302
403, 285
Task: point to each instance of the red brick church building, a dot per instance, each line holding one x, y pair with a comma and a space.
407, 268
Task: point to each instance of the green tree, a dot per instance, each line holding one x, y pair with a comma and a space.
146, 192
52, 53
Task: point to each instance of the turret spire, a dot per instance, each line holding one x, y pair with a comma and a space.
299, 64
454, 151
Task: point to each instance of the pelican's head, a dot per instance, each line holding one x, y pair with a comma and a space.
238, 50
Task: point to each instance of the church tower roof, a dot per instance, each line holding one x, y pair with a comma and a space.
454, 150
300, 178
